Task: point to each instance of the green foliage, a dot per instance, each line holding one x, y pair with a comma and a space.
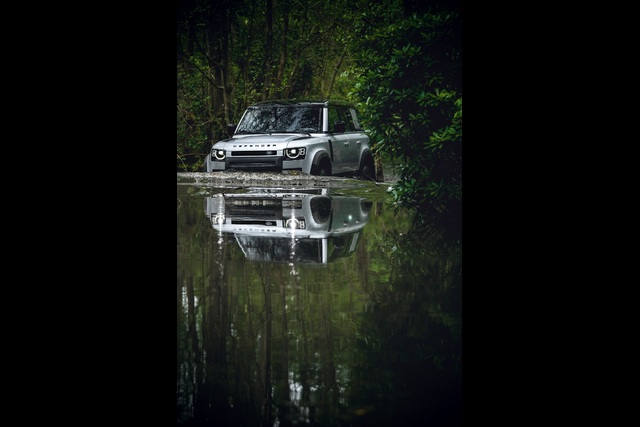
253, 50
408, 79
193, 118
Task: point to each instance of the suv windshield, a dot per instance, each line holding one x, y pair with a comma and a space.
281, 119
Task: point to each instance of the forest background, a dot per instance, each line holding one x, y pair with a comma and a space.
398, 61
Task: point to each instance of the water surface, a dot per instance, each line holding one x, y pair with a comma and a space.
312, 303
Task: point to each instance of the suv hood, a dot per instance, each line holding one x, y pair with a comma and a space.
248, 140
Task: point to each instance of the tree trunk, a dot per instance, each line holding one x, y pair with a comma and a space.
378, 167
283, 52
268, 52
336, 71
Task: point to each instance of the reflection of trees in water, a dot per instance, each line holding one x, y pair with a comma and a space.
256, 342
412, 337
264, 343
203, 331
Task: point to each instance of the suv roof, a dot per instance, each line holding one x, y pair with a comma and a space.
294, 102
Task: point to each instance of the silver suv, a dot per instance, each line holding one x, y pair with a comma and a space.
313, 137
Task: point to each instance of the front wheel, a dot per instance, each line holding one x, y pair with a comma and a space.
322, 169
368, 170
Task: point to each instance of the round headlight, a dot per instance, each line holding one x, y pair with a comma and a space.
294, 153
218, 154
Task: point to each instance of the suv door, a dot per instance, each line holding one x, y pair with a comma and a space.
357, 138
340, 143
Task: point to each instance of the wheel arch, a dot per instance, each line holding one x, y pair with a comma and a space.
321, 158
367, 160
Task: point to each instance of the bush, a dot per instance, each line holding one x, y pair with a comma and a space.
409, 84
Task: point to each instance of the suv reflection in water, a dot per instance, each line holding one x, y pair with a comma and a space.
296, 226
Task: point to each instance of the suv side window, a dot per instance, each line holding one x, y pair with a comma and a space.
334, 116
347, 117
353, 116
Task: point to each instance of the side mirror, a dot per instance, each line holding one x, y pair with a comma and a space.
231, 129
339, 127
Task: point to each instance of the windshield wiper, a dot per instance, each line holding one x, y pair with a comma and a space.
291, 131
270, 132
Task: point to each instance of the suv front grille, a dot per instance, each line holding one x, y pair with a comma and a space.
265, 223
254, 153
255, 208
256, 212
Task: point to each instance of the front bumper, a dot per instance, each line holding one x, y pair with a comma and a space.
254, 163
